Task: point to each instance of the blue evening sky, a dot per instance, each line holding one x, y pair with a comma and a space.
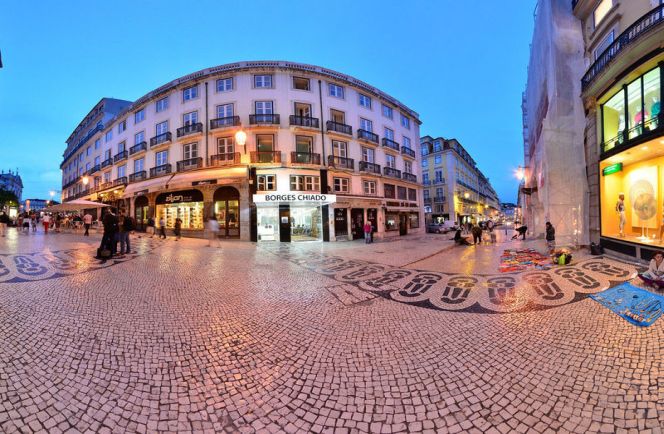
460, 64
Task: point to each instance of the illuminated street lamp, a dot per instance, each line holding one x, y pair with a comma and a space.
466, 195
520, 173
241, 139
85, 180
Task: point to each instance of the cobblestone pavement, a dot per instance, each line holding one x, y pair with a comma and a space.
179, 337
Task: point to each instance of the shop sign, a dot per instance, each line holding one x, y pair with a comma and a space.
139, 193
179, 197
277, 198
205, 182
614, 168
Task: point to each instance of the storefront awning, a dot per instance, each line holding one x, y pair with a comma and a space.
149, 185
207, 176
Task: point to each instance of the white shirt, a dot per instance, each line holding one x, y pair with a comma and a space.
654, 269
87, 219
46, 219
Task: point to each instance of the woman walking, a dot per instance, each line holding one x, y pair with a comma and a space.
212, 226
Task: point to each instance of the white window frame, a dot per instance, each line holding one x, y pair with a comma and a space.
139, 137
389, 133
222, 84
405, 121
190, 93
157, 128
366, 125
341, 185
408, 166
190, 150
339, 147
308, 89
266, 182
390, 161
109, 135
223, 110
139, 164
267, 107
263, 81
406, 142
369, 187
139, 116
228, 143
190, 118
161, 104
122, 126
161, 156
364, 100
387, 111
335, 90
122, 171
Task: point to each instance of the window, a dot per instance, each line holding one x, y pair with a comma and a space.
189, 118
406, 142
634, 109
389, 134
265, 143
341, 185
122, 171
107, 177
189, 93
339, 148
338, 116
122, 146
388, 112
304, 183
365, 101
608, 40
425, 162
402, 193
88, 150
107, 154
263, 107
336, 90
425, 178
97, 143
413, 217
139, 137
190, 150
390, 161
408, 167
266, 182
304, 145
161, 158
139, 165
80, 171
300, 83
437, 146
87, 167
97, 162
225, 84
225, 111
161, 104
109, 135
122, 126
439, 175
161, 128
405, 121
369, 187
263, 81
225, 145
389, 191
366, 124
368, 155
426, 194
601, 10
439, 193
302, 109
437, 159
139, 116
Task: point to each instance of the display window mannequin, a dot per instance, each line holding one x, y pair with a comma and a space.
620, 209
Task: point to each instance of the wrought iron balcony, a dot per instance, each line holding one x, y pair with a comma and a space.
95, 169
138, 176
426, 182
304, 121
390, 143
365, 166
229, 159
143, 146
439, 181
106, 163
367, 135
104, 186
120, 181
405, 150
190, 129
409, 177
340, 162
264, 119
229, 121
391, 172
120, 156
339, 128
305, 158
160, 139
266, 156
164, 169
439, 199
189, 164
427, 201
640, 27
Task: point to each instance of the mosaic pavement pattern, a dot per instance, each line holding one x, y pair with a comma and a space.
497, 293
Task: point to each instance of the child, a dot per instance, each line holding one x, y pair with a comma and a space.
550, 238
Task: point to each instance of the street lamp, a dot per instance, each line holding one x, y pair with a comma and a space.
85, 180
466, 195
520, 173
241, 139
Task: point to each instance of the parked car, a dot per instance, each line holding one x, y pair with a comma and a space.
441, 228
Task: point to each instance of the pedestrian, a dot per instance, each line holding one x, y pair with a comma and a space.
126, 225
367, 233
4, 221
212, 226
58, 222
477, 234
150, 228
177, 229
87, 222
108, 248
550, 237
521, 230
33, 222
490, 225
162, 228
46, 221
26, 224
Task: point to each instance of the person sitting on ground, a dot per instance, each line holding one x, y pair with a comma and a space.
521, 230
458, 239
655, 274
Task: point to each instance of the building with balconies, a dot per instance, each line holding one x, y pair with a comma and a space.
622, 92
276, 150
454, 187
11, 181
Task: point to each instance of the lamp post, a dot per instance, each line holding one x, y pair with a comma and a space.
241, 139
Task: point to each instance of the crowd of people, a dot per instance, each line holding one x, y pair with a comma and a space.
28, 222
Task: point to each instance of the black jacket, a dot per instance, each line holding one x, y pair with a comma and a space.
550, 233
110, 223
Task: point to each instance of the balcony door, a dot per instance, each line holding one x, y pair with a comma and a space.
338, 116
303, 110
264, 107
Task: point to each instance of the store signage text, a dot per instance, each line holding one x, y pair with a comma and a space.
179, 198
205, 182
295, 197
614, 168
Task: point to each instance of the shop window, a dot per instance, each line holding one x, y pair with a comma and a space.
369, 188
304, 183
389, 191
412, 194
651, 92
613, 114
634, 109
391, 221
414, 220
341, 185
266, 182
402, 193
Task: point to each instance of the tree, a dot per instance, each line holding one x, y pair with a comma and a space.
7, 198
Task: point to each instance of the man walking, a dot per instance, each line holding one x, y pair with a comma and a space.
162, 228
4, 221
110, 223
126, 226
46, 220
212, 227
87, 222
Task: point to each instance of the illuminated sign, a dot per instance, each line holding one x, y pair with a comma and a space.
277, 198
608, 170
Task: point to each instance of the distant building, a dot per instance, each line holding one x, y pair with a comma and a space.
509, 211
11, 181
37, 204
454, 188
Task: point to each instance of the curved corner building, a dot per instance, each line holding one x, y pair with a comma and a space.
278, 151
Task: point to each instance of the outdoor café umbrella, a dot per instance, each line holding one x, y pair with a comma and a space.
75, 205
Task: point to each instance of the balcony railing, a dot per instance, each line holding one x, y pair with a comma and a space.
95, 169
439, 181
120, 181
264, 119
407, 152
104, 186
340, 162
391, 172
228, 159
120, 156
304, 121
143, 146
266, 156
439, 199
643, 131
642, 26
339, 128
161, 138
365, 166
305, 158
390, 143
409, 177
106, 163
426, 182
190, 129
367, 135
229, 121
164, 169
138, 176
427, 201
189, 164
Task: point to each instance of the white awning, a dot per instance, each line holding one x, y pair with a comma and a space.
149, 185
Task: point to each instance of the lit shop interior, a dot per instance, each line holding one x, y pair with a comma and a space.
305, 222
187, 205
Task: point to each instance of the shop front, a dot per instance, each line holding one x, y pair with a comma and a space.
141, 212
227, 211
187, 205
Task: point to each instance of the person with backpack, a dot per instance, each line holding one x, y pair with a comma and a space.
125, 228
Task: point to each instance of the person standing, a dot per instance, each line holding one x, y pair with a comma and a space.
4, 221
367, 232
162, 228
477, 234
46, 221
87, 222
550, 237
150, 227
33, 222
126, 225
110, 223
212, 227
177, 229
